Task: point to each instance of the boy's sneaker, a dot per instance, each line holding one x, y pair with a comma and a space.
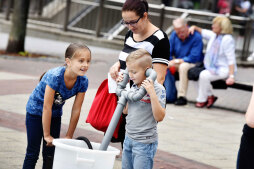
181, 101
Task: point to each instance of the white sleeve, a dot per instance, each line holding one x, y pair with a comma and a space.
229, 49
207, 34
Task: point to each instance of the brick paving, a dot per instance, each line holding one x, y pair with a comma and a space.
163, 160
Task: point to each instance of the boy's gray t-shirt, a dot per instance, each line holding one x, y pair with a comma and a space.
140, 123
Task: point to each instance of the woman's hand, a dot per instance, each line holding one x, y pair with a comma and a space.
120, 77
230, 81
113, 71
49, 139
192, 29
171, 63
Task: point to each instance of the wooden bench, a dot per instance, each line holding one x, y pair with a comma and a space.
221, 84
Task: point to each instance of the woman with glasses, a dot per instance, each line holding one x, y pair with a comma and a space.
142, 34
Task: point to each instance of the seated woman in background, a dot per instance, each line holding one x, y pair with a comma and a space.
219, 61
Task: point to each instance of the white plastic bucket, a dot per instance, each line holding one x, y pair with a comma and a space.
74, 154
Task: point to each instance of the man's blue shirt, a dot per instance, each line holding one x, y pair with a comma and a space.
54, 78
190, 50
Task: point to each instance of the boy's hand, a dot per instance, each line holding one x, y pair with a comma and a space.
148, 85
120, 77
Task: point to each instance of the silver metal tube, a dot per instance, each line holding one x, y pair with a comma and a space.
113, 123
131, 96
122, 85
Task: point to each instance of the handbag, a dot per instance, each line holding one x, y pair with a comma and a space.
193, 73
102, 109
169, 84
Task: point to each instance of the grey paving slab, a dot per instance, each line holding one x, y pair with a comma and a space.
12, 149
209, 136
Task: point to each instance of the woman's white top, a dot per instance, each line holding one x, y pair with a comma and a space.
226, 55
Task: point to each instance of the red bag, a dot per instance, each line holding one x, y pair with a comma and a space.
172, 69
102, 109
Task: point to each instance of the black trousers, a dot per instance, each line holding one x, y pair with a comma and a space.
246, 151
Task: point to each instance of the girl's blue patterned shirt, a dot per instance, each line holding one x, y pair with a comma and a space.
54, 78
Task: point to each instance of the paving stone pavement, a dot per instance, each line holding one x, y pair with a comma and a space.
188, 137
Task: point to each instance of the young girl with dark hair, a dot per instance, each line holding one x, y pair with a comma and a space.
44, 107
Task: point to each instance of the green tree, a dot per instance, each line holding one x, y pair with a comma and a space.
17, 35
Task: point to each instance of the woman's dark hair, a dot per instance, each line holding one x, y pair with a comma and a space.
70, 52
137, 6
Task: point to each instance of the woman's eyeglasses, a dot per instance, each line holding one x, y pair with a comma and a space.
131, 23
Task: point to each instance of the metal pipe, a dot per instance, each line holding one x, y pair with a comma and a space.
247, 39
40, 7
67, 14
113, 123
124, 96
132, 96
162, 12
121, 85
9, 9
99, 18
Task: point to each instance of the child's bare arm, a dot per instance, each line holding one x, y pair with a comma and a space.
75, 113
158, 110
47, 114
249, 116
125, 110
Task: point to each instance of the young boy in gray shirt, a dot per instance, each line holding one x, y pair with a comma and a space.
141, 140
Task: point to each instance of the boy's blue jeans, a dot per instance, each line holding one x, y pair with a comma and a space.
34, 137
137, 155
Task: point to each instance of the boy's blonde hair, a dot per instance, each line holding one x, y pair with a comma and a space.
225, 24
142, 56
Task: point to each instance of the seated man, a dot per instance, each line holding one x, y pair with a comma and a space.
185, 51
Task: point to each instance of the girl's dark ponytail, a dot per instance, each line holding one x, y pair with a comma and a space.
42, 75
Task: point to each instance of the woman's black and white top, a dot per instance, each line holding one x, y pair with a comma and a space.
157, 45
